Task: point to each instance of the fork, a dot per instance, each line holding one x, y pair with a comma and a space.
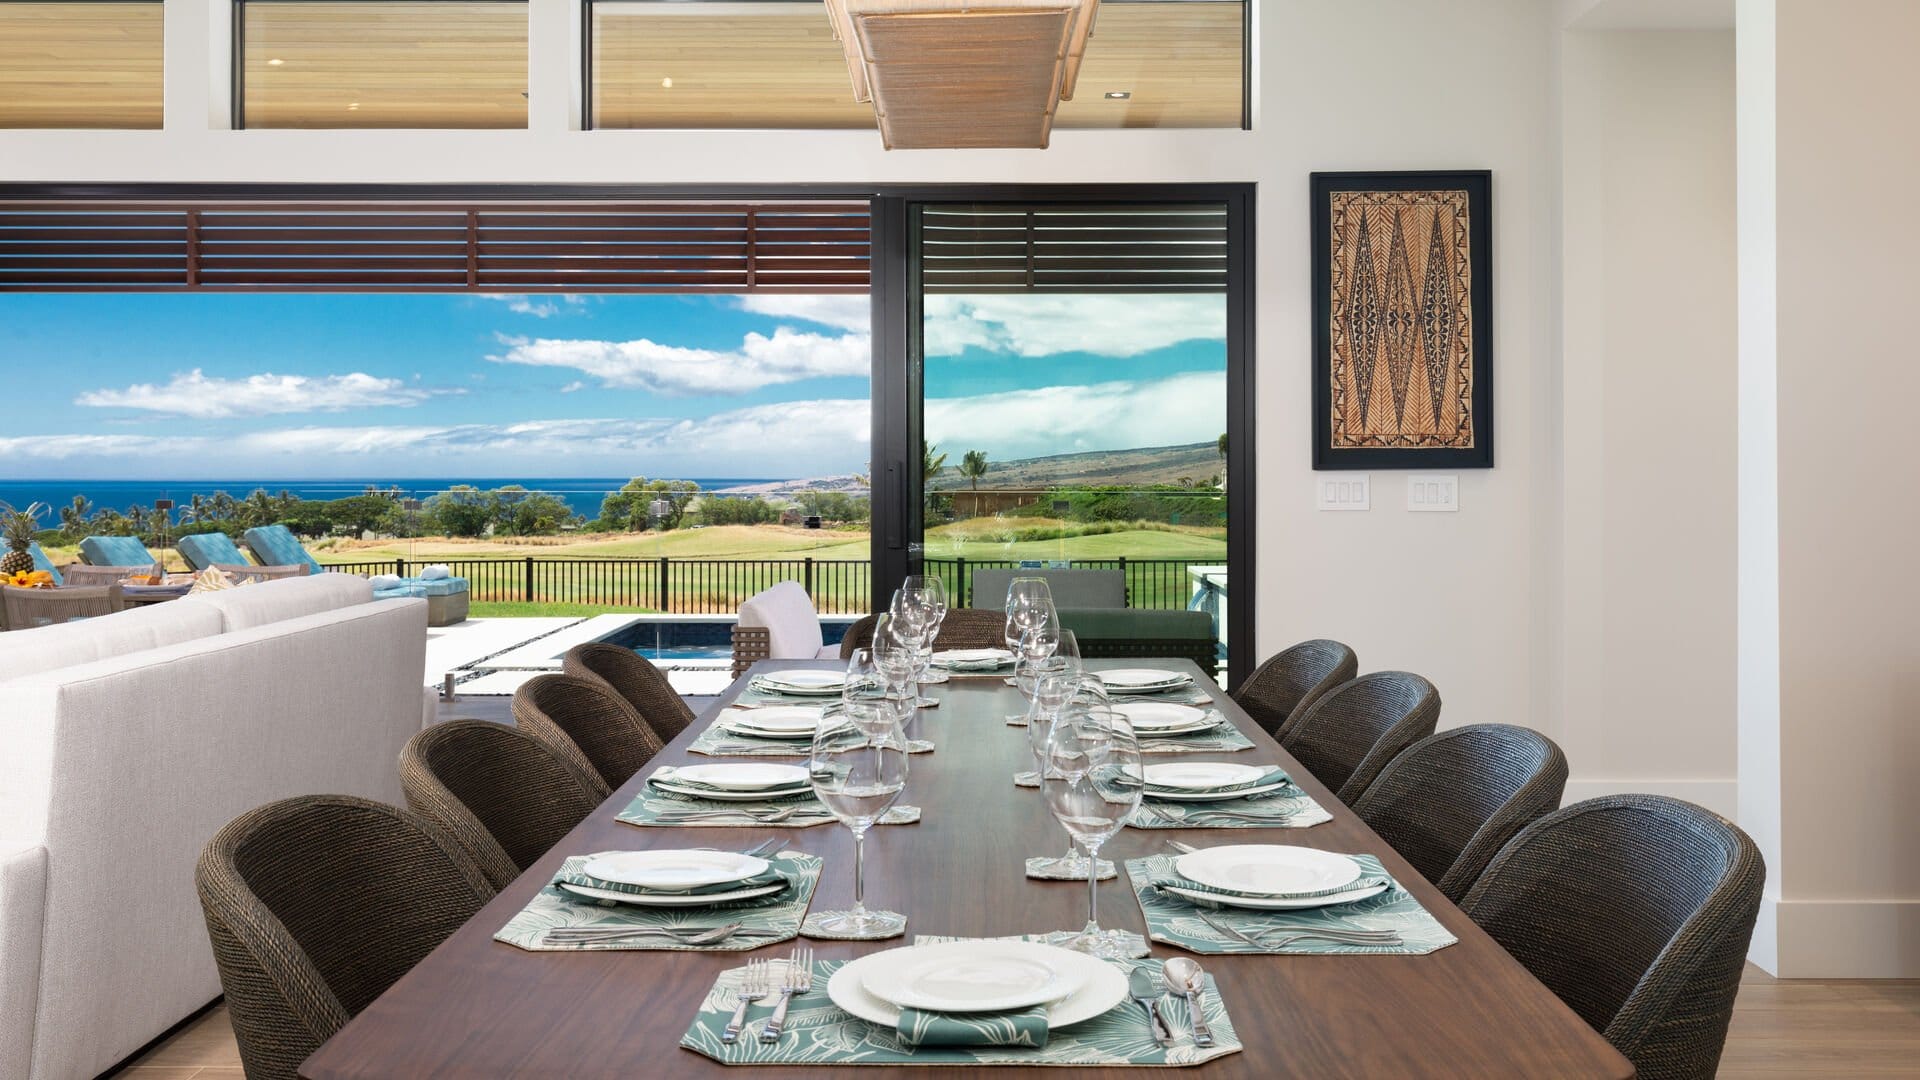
757, 983
798, 980
759, 817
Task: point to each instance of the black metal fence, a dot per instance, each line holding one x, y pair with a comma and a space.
717, 586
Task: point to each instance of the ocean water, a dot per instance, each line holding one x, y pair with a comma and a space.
583, 494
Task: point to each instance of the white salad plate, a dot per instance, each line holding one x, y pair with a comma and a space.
1104, 986
1141, 680
1162, 717
1278, 903
776, 722
972, 656
803, 681
741, 777
1200, 775
675, 869
670, 900
973, 976
1268, 870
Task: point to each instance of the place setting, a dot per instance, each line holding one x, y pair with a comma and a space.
1270, 898
1223, 795
765, 731
785, 687
1169, 727
971, 663
695, 899
953, 1001
1153, 684
738, 794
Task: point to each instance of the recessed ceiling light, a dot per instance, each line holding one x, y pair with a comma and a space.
666, 84
1119, 95
275, 62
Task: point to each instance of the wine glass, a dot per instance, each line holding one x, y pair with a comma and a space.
857, 775
1027, 599
1085, 692
1093, 782
895, 653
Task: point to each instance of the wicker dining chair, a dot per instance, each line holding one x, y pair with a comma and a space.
588, 724
315, 906
963, 628
84, 575
634, 678
505, 796
1636, 910
1452, 800
1346, 738
1279, 691
24, 609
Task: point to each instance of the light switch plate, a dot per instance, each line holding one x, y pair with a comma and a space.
1428, 492
1344, 491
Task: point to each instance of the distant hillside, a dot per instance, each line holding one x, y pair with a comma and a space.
1145, 465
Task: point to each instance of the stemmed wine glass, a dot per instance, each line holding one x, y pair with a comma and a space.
1082, 691
1029, 601
858, 773
1093, 781
927, 594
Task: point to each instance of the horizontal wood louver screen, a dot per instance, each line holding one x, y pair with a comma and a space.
1002, 248
356, 247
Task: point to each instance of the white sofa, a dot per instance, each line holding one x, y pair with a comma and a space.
126, 741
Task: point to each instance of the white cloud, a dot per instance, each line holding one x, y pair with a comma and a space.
1173, 411
63, 447
845, 312
542, 307
573, 387
788, 356
1041, 324
199, 397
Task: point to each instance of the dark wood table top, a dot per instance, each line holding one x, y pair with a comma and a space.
480, 1008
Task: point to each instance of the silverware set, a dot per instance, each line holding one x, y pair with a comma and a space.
761, 817
587, 935
787, 979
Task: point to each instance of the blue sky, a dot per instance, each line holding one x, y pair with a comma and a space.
194, 386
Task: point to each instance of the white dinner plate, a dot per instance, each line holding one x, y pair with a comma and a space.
1278, 903
710, 795
675, 869
972, 656
973, 976
1104, 989
1194, 775
742, 776
667, 900
1141, 680
776, 722
804, 681
1155, 717
1273, 870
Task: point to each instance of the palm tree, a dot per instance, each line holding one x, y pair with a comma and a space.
973, 466
73, 519
930, 465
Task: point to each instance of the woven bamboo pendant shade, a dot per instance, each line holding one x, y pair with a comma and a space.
940, 75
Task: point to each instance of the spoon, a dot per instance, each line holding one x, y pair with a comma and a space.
1184, 977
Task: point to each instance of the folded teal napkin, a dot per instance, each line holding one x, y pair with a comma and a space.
1364, 881
1275, 775
769, 876
1027, 1027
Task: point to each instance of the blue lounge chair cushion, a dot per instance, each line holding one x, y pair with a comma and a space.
41, 562
451, 586
202, 550
275, 545
115, 551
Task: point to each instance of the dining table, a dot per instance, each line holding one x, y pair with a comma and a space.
478, 1007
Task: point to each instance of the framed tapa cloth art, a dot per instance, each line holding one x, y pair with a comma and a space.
1402, 320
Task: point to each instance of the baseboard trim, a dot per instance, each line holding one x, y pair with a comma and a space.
1718, 796
1847, 939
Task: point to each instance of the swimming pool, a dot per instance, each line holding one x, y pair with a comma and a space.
712, 639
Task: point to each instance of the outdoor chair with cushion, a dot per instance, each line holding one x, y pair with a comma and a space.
446, 597
503, 794
275, 545
1452, 800
44, 564
315, 906
779, 624
1350, 734
589, 725
963, 628
1070, 588
27, 608
1280, 690
201, 550
1636, 910
116, 551
634, 678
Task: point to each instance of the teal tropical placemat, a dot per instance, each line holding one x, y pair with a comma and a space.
820, 1033
766, 920
1175, 921
717, 741
1287, 808
1221, 739
663, 808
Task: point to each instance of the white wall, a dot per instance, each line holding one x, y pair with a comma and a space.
1648, 414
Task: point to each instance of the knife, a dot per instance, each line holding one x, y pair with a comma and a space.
1145, 991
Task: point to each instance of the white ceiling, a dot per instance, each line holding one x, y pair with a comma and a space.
1647, 14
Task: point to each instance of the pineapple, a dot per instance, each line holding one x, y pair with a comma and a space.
18, 528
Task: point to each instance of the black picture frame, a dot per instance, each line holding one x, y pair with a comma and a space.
1478, 184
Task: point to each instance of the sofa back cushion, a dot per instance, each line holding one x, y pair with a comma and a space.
115, 551
284, 598
793, 626
46, 648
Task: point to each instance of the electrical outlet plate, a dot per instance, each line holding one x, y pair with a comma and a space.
1344, 491
1428, 492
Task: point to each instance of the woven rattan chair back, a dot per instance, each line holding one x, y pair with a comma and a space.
588, 724
24, 609
503, 794
1452, 800
634, 678
82, 574
1280, 690
963, 628
1350, 734
1636, 910
317, 905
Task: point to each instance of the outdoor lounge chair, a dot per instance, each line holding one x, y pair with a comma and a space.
116, 551
275, 545
44, 564
779, 624
202, 550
